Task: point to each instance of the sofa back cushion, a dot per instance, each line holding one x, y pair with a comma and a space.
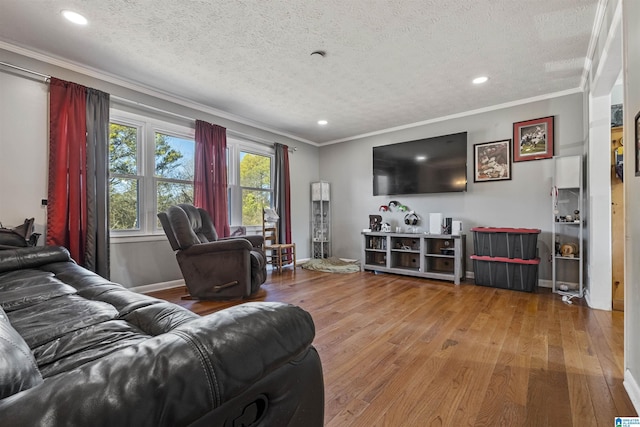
189, 226
18, 369
200, 222
33, 257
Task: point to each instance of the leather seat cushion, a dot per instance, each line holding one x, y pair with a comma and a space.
18, 370
24, 288
42, 323
85, 345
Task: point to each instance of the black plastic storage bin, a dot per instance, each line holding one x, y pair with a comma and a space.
505, 242
506, 273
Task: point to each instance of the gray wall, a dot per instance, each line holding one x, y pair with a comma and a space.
23, 150
23, 163
523, 201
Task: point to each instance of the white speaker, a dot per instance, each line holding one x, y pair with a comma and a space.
435, 223
456, 228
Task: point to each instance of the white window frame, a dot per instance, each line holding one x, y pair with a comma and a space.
235, 146
147, 181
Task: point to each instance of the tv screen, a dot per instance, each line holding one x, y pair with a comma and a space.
430, 165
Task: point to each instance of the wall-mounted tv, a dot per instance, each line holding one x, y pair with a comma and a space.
429, 165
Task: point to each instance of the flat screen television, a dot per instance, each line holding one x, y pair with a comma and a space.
429, 165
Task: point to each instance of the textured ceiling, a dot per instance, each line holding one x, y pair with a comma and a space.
388, 63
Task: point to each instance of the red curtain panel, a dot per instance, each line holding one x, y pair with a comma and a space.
211, 174
66, 221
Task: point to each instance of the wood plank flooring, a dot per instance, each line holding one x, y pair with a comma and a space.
401, 351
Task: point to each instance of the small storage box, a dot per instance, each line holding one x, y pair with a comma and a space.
506, 273
505, 242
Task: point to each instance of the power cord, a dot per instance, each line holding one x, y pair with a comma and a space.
567, 297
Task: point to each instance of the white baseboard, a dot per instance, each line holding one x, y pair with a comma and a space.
158, 286
587, 298
631, 385
545, 283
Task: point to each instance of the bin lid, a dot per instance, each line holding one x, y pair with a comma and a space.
506, 230
502, 259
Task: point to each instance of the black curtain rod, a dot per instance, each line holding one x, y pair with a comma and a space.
26, 70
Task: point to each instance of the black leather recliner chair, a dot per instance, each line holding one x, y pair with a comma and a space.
212, 267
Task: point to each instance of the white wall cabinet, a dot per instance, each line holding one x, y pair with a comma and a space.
568, 227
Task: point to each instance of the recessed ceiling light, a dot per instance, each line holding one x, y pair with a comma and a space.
421, 158
74, 17
322, 122
480, 80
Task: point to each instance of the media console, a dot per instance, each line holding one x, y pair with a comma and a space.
433, 256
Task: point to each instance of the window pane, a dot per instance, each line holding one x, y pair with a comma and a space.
123, 204
255, 171
174, 157
173, 193
226, 156
252, 203
123, 149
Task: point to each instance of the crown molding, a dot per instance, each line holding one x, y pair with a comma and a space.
460, 115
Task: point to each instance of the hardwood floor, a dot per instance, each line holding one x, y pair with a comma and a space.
401, 351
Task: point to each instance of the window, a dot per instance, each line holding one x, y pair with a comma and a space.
250, 180
124, 178
151, 167
174, 170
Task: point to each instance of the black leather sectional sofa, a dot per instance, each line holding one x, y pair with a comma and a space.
78, 350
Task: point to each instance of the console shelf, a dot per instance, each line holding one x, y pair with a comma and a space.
433, 256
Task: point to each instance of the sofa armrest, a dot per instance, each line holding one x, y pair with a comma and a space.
257, 338
256, 240
218, 246
175, 378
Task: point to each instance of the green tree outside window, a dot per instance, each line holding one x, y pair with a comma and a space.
255, 181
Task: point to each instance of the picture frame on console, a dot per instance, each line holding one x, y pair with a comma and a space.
533, 139
492, 161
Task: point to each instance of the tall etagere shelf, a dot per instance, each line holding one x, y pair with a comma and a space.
320, 220
568, 227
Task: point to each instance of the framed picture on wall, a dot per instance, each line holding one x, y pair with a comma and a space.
616, 115
533, 139
636, 123
492, 161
